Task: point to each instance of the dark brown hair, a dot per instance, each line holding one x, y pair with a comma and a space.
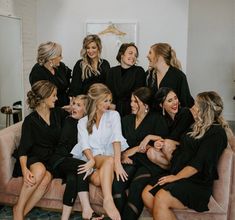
123, 49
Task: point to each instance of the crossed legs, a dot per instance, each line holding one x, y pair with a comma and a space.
105, 175
30, 195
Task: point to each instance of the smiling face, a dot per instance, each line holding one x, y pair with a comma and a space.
129, 58
92, 50
171, 104
50, 101
152, 58
137, 106
104, 104
78, 108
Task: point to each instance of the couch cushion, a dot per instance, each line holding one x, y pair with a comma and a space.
9, 139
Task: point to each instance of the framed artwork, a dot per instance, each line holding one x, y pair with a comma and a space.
112, 33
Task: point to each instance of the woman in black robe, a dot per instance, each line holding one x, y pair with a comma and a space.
123, 79
91, 68
178, 119
165, 71
135, 127
194, 164
49, 67
40, 134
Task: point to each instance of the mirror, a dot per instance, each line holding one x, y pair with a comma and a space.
11, 83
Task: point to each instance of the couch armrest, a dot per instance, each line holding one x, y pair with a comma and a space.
9, 140
222, 186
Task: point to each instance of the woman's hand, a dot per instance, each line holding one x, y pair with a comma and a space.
126, 160
29, 178
167, 179
120, 172
143, 144
86, 168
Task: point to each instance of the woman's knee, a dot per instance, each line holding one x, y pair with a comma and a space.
46, 179
109, 161
152, 154
38, 170
162, 199
147, 196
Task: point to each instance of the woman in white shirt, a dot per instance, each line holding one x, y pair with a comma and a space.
100, 143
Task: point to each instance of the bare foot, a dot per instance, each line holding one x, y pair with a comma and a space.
90, 214
111, 209
17, 215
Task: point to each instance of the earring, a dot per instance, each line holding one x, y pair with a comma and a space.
163, 111
51, 64
146, 109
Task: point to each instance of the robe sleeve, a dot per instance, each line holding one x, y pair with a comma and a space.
117, 131
27, 140
208, 154
76, 83
185, 98
83, 140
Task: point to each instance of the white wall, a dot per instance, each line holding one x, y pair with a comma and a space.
11, 85
158, 20
211, 49
26, 10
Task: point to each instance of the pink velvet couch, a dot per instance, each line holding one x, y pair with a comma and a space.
222, 204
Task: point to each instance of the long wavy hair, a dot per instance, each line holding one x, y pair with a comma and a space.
210, 107
96, 93
169, 55
86, 64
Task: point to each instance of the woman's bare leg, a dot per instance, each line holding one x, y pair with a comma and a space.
38, 170
148, 198
158, 158
164, 202
105, 164
38, 193
66, 212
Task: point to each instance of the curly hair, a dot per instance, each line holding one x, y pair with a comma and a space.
86, 64
210, 107
39, 91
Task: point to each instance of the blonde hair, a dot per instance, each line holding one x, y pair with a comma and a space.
48, 51
85, 99
210, 107
96, 93
40, 90
87, 69
168, 54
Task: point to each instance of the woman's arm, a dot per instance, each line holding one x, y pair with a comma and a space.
186, 172
120, 172
146, 140
28, 176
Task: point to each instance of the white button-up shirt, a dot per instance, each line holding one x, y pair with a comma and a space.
102, 138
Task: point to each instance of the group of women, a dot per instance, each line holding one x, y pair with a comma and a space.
120, 128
